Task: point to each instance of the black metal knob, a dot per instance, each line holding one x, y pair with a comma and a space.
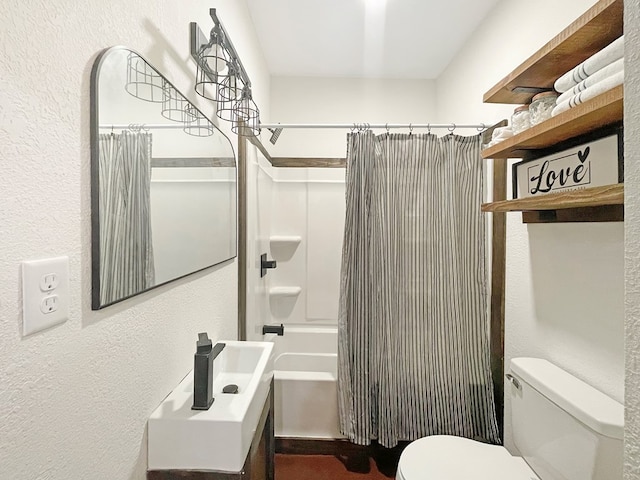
266, 264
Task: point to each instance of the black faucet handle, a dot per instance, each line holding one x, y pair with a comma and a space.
204, 344
203, 373
265, 264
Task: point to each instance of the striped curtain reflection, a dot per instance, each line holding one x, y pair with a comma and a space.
413, 343
126, 249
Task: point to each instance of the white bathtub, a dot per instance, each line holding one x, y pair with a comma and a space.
306, 398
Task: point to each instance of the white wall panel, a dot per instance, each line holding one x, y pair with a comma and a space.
325, 231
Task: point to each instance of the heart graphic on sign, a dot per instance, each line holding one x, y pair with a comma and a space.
582, 156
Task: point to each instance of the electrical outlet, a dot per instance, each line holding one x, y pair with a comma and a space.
49, 304
49, 281
45, 293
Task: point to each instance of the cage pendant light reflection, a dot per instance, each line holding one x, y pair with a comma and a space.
195, 123
143, 81
174, 104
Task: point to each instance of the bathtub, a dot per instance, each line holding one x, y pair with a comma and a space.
305, 383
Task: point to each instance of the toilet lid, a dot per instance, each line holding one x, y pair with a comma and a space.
444, 457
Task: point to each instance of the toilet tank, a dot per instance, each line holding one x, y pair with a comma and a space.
564, 428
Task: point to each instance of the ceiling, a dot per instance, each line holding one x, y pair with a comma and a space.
413, 39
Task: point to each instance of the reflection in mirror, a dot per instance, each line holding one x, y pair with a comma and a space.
163, 190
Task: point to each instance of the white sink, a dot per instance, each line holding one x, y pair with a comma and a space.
218, 438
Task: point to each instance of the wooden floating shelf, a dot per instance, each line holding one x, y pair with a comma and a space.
588, 197
596, 113
597, 28
603, 213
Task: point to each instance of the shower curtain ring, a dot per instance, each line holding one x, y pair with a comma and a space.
386, 127
428, 128
410, 129
482, 128
451, 128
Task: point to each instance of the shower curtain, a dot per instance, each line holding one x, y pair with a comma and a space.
413, 344
126, 248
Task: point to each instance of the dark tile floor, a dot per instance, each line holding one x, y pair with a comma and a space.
321, 467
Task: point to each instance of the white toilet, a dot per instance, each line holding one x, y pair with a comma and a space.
563, 429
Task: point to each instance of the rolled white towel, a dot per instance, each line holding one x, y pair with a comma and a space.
499, 134
591, 80
591, 92
597, 61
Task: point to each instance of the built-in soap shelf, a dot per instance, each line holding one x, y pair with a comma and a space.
285, 240
283, 247
284, 291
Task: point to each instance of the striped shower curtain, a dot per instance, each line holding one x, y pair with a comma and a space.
126, 248
413, 343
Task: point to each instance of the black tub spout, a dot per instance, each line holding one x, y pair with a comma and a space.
273, 329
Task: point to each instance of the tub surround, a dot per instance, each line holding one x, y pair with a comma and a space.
305, 379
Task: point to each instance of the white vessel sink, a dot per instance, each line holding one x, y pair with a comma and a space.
219, 438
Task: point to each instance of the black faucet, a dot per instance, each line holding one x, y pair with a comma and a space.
203, 372
279, 329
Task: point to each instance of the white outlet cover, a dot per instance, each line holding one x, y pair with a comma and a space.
34, 317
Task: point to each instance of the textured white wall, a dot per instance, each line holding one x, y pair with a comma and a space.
564, 286
74, 399
632, 240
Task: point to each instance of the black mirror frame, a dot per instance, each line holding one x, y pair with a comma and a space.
95, 182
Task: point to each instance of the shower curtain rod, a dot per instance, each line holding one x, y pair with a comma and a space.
144, 125
364, 126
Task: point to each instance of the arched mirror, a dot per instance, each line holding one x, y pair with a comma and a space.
163, 181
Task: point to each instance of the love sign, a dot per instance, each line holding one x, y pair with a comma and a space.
592, 164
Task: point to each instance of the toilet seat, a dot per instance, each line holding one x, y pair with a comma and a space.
444, 457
